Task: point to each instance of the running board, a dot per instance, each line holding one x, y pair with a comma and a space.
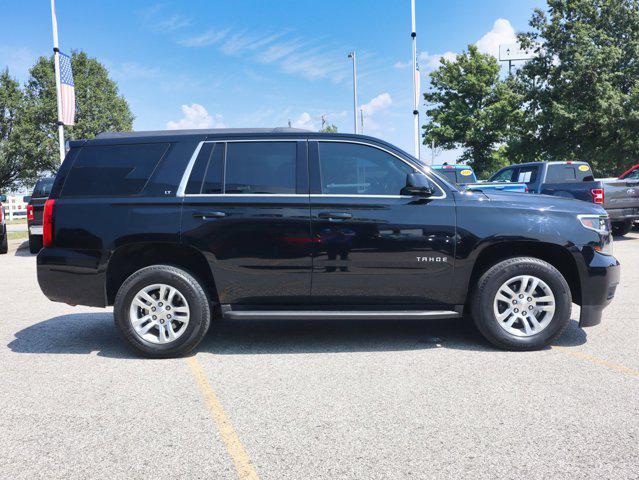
229, 314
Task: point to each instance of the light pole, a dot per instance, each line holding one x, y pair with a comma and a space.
415, 82
355, 108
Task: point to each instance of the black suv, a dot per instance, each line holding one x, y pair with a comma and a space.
177, 228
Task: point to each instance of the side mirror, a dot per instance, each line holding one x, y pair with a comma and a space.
3, 198
26, 198
417, 184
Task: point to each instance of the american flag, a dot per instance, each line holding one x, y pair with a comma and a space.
67, 90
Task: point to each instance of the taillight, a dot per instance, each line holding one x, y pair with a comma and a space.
47, 223
30, 215
597, 195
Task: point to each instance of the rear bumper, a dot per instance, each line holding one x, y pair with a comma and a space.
622, 214
599, 279
72, 276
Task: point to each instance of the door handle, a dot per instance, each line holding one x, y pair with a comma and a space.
207, 215
335, 216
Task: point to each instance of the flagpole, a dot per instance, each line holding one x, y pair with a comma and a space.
56, 63
351, 55
415, 82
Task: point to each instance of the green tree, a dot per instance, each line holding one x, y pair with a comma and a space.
329, 128
470, 107
10, 101
581, 93
99, 108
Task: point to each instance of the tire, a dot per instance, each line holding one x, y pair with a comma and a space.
192, 298
619, 229
4, 244
35, 243
521, 334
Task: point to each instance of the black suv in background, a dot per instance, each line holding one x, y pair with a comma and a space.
176, 228
35, 208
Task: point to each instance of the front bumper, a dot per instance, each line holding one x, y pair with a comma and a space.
599, 275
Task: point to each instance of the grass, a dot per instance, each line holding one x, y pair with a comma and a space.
17, 235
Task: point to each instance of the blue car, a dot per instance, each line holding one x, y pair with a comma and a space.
464, 176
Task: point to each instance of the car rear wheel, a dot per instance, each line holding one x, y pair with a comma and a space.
162, 311
621, 228
35, 243
521, 303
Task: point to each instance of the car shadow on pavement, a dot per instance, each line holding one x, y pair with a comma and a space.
23, 250
79, 333
85, 333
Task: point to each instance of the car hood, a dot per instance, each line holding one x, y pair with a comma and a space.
543, 203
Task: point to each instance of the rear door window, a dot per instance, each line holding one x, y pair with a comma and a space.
260, 168
527, 174
564, 173
112, 170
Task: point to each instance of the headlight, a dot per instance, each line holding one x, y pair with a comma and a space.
601, 225
597, 223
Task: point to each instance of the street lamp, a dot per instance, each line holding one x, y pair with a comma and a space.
352, 56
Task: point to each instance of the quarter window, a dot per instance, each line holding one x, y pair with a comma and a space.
107, 170
260, 168
354, 169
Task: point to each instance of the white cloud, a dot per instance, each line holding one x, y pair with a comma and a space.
304, 121
210, 37
172, 23
501, 33
429, 62
402, 65
196, 116
379, 103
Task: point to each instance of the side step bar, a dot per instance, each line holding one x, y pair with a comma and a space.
229, 314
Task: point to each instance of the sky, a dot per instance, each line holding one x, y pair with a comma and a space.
241, 63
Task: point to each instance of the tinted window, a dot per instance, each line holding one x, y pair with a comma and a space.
504, 176
42, 188
260, 167
213, 175
112, 169
352, 169
448, 175
560, 173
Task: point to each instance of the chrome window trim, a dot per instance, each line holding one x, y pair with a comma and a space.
181, 192
187, 172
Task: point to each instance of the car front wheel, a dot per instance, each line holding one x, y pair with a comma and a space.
521, 303
162, 311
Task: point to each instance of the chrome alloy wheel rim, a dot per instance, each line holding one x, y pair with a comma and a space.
524, 305
159, 313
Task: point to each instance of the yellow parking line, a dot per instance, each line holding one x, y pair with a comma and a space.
234, 446
598, 361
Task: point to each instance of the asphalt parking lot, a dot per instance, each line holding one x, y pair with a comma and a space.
301, 400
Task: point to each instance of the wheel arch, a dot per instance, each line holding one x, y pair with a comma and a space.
127, 259
556, 255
